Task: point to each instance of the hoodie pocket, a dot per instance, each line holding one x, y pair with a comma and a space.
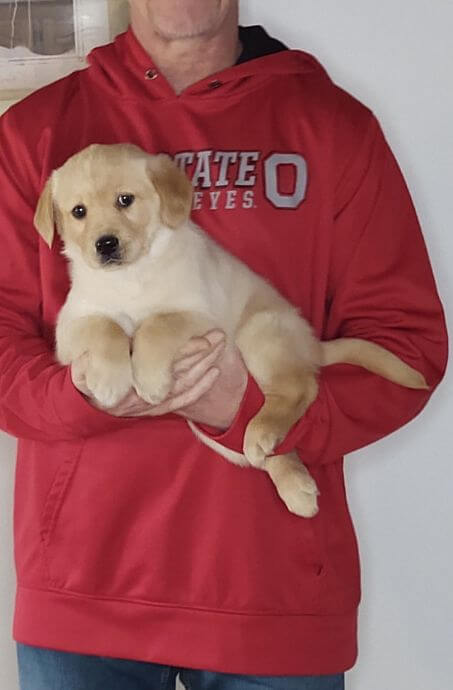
99, 528
59, 488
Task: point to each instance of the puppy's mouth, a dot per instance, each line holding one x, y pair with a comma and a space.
111, 261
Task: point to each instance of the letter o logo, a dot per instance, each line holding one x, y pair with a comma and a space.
271, 179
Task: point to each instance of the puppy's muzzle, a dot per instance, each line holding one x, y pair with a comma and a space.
108, 249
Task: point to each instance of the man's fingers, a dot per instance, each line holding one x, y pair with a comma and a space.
194, 346
191, 368
201, 344
215, 336
189, 378
184, 364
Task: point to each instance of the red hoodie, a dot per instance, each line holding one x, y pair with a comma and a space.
131, 538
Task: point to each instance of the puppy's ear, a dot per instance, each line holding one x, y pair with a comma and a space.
45, 214
174, 189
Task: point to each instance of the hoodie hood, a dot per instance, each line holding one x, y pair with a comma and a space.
126, 68
257, 43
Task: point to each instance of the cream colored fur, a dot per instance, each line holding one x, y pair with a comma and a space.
170, 282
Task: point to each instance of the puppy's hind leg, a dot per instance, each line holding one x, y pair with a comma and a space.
282, 355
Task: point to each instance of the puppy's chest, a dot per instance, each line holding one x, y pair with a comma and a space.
129, 302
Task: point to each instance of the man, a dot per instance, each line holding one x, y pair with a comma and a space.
139, 553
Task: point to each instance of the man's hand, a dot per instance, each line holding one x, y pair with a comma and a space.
208, 384
219, 404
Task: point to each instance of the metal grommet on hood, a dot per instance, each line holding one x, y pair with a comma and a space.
216, 84
151, 73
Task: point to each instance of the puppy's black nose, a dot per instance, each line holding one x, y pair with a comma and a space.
107, 246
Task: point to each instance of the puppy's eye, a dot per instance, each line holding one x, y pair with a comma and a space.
125, 200
79, 211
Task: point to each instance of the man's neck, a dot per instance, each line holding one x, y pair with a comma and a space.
184, 62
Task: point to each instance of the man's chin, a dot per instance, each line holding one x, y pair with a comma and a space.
183, 33
199, 20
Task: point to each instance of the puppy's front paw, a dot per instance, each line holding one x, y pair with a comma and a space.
108, 381
152, 383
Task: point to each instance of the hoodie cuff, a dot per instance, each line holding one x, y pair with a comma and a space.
79, 417
308, 435
233, 437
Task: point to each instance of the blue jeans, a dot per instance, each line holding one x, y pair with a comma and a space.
47, 669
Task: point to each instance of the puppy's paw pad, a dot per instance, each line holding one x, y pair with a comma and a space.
303, 505
151, 398
153, 389
109, 384
106, 397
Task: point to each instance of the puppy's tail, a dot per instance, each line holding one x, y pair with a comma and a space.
374, 358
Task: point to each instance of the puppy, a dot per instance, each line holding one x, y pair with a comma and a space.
141, 271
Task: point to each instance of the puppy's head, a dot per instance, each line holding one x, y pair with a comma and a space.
109, 202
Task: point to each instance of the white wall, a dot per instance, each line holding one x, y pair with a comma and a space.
397, 56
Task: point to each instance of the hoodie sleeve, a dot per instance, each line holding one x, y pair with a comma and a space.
37, 398
381, 289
